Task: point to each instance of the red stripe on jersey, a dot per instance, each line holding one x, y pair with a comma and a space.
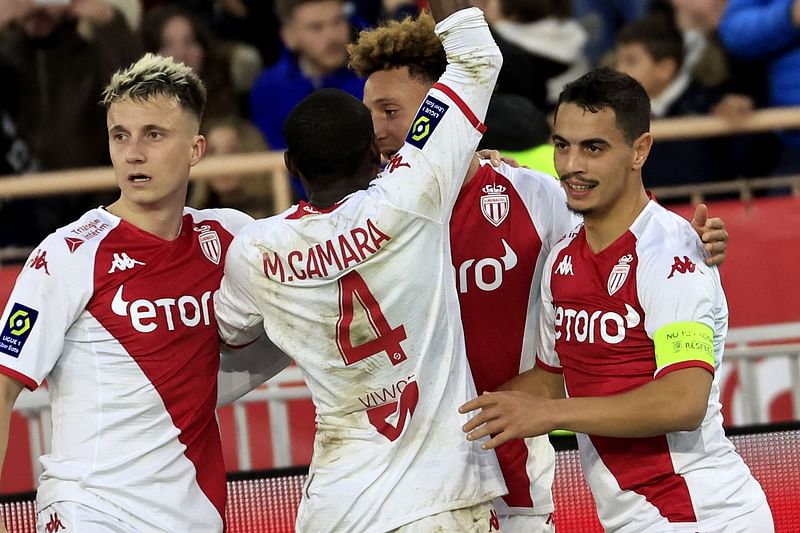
475, 121
179, 354
685, 364
22, 378
494, 268
645, 467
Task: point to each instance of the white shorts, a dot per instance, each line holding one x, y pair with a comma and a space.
521, 523
758, 520
480, 518
72, 516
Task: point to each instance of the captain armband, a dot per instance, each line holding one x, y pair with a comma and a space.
681, 342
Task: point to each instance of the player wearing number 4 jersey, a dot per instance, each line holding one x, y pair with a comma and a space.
357, 287
635, 323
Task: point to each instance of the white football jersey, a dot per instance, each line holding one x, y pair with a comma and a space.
504, 223
362, 297
121, 324
600, 312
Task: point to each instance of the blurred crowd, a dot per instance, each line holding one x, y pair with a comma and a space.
259, 58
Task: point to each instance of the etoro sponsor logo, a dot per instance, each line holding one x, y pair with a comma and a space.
580, 325
16, 329
487, 273
146, 314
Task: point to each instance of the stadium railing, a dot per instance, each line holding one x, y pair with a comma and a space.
266, 502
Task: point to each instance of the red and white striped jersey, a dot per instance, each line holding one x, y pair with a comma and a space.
599, 314
362, 296
504, 223
121, 324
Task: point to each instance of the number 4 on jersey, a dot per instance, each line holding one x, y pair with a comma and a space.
387, 339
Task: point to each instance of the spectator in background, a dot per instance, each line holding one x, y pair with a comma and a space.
316, 34
172, 30
60, 72
251, 194
15, 158
769, 31
542, 47
520, 131
651, 51
742, 84
602, 19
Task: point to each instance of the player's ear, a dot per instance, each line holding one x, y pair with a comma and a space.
290, 166
641, 149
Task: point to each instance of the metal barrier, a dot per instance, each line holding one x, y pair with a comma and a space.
266, 502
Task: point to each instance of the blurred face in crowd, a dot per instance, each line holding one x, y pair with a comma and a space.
40, 22
179, 41
597, 165
701, 15
319, 33
153, 144
224, 140
393, 98
634, 60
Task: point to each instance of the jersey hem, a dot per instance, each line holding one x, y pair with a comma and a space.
18, 376
544, 366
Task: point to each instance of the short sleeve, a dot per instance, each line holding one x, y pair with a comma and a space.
49, 294
238, 316
546, 355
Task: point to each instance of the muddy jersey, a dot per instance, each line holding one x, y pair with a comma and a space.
599, 316
362, 296
121, 324
504, 223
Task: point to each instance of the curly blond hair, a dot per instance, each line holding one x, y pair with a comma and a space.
408, 43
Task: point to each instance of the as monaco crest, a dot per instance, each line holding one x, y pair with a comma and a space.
209, 243
619, 274
494, 204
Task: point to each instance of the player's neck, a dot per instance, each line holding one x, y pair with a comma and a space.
605, 227
333, 194
163, 222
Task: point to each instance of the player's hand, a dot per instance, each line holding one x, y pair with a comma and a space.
713, 233
507, 415
496, 159
2, 527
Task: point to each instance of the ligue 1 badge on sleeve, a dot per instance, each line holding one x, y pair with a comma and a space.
209, 243
494, 204
619, 274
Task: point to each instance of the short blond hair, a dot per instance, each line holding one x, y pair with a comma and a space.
154, 75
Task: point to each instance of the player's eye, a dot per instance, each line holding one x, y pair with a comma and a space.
391, 113
155, 135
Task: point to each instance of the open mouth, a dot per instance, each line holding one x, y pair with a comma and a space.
138, 178
580, 187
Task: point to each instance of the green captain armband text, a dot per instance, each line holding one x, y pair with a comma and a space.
680, 342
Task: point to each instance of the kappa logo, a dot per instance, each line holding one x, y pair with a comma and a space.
54, 524
494, 521
123, 262
565, 266
619, 274
494, 204
210, 243
73, 243
681, 267
396, 162
39, 261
